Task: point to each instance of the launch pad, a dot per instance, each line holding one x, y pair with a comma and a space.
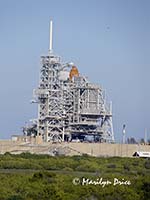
69, 106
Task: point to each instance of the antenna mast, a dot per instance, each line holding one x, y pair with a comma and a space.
145, 136
124, 134
51, 37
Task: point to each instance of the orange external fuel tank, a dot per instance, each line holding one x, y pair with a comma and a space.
73, 72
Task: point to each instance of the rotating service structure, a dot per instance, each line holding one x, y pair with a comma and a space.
69, 105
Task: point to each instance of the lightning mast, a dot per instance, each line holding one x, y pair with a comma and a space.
51, 38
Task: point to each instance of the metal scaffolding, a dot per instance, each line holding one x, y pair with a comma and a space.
69, 106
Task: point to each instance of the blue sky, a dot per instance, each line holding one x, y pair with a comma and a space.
108, 40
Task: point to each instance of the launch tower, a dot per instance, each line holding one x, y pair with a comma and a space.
69, 106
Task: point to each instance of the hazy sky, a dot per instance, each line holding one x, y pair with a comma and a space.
108, 40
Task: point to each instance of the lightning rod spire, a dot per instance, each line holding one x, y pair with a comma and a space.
51, 37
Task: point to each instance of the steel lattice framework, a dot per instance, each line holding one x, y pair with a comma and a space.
68, 107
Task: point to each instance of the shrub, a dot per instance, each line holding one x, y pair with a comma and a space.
7, 154
147, 164
126, 166
16, 197
135, 163
111, 165
67, 169
146, 190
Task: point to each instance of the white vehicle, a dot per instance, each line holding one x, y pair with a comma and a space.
142, 154
75, 140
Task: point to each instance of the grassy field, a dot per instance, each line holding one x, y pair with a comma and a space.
30, 177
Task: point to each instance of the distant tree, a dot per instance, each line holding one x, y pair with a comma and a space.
142, 141
131, 140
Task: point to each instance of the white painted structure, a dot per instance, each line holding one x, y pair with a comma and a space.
142, 154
